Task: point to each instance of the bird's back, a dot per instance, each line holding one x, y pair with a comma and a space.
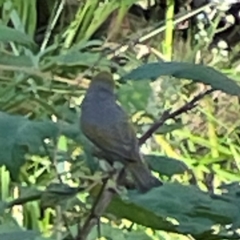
106, 124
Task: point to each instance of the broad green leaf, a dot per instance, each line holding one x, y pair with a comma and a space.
196, 212
107, 232
183, 70
10, 231
137, 214
15, 61
25, 235
12, 35
58, 194
43, 238
19, 136
165, 165
111, 232
76, 59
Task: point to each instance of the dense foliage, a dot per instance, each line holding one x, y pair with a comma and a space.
186, 115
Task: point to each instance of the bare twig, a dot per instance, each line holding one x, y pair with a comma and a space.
171, 115
103, 200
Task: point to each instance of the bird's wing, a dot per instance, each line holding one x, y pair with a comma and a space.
119, 139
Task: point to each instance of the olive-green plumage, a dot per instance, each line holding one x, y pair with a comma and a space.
106, 125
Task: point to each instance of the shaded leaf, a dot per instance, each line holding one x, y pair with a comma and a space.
110, 232
165, 165
195, 72
167, 128
25, 235
3, 206
19, 136
137, 214
135, 97
18, 61
58, 194
196, 212
76, 59
12, 35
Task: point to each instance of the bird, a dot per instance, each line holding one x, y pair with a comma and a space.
105, 123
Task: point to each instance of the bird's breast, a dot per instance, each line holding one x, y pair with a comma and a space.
96, 113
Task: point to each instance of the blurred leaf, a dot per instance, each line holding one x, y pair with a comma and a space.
138, 214
196, 212
25, 235
195, 72
26, 11
167, 128
43, 238
165, 165
137, 236
107, 232
72, 131
12, 35
233, 189
86, 44
18, 61
3, 206
110, 232
135, 96
19, 136
76, 59
27, 194
58, 194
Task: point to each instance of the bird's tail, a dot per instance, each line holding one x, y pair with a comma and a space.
144, 180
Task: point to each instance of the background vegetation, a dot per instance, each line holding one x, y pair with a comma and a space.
186, 115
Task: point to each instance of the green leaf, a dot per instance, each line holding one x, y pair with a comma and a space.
10, 231
12, 35
110, 232
196, 212
3, 206
165, 165
17, 61
76, 59
135, 96
25, 235
58, 194
137, 214
195, 72
19, 136
168, 128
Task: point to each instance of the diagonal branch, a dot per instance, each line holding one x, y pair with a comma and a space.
171, 115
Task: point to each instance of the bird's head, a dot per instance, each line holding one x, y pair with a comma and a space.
103, 79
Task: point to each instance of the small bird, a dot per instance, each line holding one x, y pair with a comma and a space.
108, 127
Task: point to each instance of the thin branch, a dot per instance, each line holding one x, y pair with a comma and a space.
103, 200
172, 115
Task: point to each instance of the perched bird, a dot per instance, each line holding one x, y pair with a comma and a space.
107, 126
